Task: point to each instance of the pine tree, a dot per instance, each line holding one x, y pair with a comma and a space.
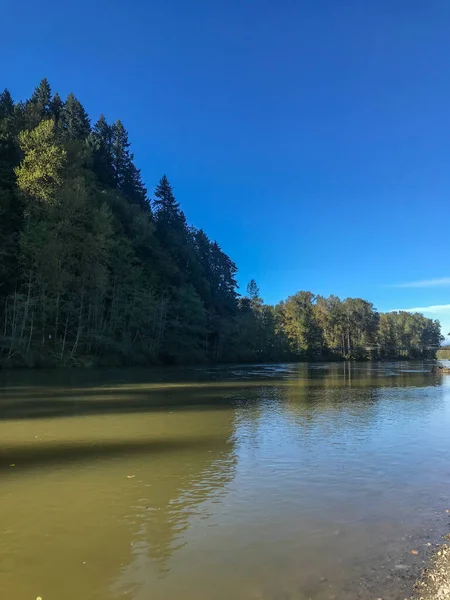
172, 232
127, 176
201, 275
6, 104
75, 120
253, 294
56, 106
11, 208
9, 152
120, 152
42, 96
166, 208
100, 141
133, 188
223, 281
103, 132
39, 105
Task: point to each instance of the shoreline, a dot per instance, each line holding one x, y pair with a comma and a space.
434, 583
435, 367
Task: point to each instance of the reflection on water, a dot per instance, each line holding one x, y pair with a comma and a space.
275, 481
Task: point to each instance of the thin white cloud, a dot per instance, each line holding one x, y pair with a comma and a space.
425, 283
431, 310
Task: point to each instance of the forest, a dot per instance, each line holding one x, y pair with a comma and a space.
93, 271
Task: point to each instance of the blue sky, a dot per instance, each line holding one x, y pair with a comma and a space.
311, 139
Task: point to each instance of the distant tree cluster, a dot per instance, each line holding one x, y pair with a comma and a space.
443, 353
309, 327
92, 270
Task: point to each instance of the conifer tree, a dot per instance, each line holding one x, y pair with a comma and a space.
56, 107
166, 208
100, 141
127, 176
75, 120
39, 105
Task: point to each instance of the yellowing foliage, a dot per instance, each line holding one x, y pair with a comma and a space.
40, 172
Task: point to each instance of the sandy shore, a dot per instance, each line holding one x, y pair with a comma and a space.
435, 581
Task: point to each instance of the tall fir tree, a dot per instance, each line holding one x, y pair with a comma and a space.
166, 208
100, 141
56, 107
11, 206
6, 104
42, 96
39, 105
75, 120
127, 176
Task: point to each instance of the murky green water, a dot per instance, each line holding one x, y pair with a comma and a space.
227, 483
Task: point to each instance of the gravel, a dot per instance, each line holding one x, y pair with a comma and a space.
435, 581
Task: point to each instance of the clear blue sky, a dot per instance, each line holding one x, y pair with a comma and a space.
310, 138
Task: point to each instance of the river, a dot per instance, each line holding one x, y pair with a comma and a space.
239, 482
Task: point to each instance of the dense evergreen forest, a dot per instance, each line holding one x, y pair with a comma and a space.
93, 271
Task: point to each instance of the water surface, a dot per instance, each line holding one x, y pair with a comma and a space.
266, 482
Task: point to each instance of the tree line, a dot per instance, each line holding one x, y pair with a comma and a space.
443, 353
93, 271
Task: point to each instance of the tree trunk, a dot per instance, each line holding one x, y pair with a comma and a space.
31, 332
162, 322
55, 334
79, 328
13, 325
6, 318
25, 312
44, 316
64, 338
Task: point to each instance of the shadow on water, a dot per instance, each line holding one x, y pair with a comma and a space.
27, 456
50, 394
70, 504
138, 529
100, 402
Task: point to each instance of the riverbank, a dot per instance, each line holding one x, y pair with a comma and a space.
435, 581
91, 362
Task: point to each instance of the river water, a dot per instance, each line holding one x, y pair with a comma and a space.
263, 482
